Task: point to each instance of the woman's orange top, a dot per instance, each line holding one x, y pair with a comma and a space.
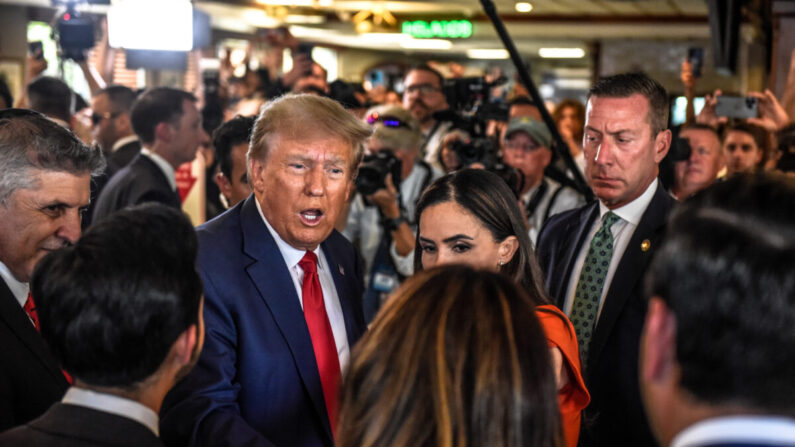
574, 397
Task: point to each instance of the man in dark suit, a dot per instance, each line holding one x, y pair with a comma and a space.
283, 289
111, 128
45, 172
594, 257
168, 124
121, 310
716, 353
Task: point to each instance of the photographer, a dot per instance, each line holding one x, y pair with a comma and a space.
423, 96
381, 217
526, 148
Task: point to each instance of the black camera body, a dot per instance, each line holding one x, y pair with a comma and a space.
374, 169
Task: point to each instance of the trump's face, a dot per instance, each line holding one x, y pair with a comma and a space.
302, 186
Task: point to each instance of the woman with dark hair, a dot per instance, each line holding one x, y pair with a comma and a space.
451, 363
472, 217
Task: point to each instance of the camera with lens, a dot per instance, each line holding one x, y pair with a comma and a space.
374, 169
680, 149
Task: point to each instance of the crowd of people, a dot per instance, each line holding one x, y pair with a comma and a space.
377, 273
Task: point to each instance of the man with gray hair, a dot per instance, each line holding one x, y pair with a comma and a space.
282, 289
45, 172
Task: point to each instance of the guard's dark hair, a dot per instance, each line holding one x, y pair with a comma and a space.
159, 105
5, 94
52, 97
456, 357
30, 141
112, 305
121, 98
628, 84
489, 199
726, 272
429, 69
228, 135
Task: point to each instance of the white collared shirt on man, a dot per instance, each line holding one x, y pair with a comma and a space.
117, 405
622, 230
772, 430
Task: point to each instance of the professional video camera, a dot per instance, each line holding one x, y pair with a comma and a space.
470, 110
374, 169
73, 31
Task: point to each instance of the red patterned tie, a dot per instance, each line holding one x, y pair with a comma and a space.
328, 364
30, 309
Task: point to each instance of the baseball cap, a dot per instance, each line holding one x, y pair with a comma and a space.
535, 129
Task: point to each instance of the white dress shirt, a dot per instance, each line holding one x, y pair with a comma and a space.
773, 430
110, 403
630, 215
17, 288
164, 166
291, 258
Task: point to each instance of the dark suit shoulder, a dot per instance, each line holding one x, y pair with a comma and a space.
65, 425
139, 182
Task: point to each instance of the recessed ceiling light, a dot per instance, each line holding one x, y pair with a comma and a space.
427, 44
561, 53
523, 6
487, 53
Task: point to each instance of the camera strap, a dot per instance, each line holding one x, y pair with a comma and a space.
535, 199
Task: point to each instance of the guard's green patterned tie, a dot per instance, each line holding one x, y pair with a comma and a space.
591, 282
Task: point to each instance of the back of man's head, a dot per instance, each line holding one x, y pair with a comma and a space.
121, 98
726, 274
625, 85
29, 141
52, 97
112, 305
155, 106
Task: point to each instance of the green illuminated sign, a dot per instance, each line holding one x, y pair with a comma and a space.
440, 29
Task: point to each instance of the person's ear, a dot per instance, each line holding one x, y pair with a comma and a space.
658, 343
507, 249
256, 170
223, 184
123, 123
662, 142
164, 132
185, 345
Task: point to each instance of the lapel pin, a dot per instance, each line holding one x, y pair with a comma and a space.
342, 270
645, 245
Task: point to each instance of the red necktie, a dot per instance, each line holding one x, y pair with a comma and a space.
328, 364
30, 309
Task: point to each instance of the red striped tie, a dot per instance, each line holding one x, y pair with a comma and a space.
325, 348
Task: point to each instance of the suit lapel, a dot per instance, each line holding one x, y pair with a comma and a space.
344, 292
18, 322
630, 270
271, 277
577, 233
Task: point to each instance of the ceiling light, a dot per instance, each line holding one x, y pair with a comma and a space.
487, 54
523, 7
427, 44
561, 53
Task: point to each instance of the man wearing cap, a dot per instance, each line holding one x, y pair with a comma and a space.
526, 148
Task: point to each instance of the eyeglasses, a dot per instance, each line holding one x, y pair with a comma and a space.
386, 120
521, 147
423, 89
97, 118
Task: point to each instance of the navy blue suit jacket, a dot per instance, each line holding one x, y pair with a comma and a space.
257, 382
615, 416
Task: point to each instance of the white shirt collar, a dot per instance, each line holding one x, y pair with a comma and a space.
109, 403
18, 289
164, 166
290, 254
775, 430
123, 141
632, 211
